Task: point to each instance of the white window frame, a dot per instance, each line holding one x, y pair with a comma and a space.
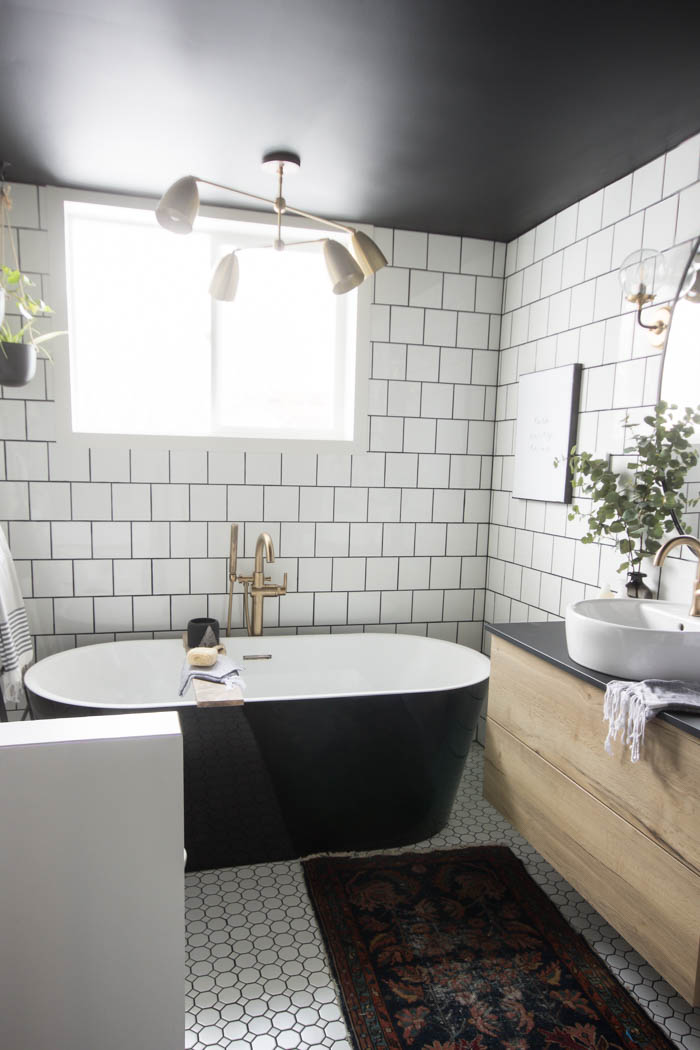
56, 295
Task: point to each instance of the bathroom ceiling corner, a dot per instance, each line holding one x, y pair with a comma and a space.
478, 119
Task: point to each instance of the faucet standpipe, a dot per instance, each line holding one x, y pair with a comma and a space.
257, 585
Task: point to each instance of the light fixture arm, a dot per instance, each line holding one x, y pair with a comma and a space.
317, 218
291, 244
313, 240
658, 327
280, 202
232, 189
269, 200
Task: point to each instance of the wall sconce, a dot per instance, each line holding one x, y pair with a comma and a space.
179, 206
644, 277
641, 275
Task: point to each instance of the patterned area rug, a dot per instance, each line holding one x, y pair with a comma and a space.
461, 950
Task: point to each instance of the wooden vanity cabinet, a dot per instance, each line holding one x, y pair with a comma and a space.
626, 836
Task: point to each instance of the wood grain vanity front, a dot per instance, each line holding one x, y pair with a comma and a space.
625, 835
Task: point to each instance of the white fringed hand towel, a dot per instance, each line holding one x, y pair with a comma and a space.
16, 649
630, 705
223, 671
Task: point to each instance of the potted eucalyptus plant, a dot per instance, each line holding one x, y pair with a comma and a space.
638, 505
20, 340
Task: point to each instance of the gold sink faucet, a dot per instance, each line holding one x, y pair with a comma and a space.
694, 543
258, 585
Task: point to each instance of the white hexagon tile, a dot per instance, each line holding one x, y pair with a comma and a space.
258, 978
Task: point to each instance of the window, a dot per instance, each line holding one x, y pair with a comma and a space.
151, 354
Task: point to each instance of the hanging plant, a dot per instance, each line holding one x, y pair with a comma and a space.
20, 340
16, 285
638, 506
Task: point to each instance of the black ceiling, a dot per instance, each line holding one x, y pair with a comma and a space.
456, 117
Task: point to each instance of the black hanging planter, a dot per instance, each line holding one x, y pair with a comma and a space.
636, 587
17, 363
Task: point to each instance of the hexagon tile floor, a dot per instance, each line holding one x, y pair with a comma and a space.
258, 978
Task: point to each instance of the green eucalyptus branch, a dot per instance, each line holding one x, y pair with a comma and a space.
635, 510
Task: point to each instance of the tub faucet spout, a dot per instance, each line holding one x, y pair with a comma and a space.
263, 549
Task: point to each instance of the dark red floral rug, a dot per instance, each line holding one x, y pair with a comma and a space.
461, 950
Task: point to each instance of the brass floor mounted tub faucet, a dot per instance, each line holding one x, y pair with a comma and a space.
258, 585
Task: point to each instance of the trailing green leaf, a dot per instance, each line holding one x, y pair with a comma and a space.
16, 286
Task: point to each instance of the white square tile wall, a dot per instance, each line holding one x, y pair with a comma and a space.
394, 538
573, 312
116, 542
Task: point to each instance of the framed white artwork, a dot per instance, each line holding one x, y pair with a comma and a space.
545, 432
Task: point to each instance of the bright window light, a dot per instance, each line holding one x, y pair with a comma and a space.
152, 354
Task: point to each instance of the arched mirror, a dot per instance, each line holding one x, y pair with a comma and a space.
679, 379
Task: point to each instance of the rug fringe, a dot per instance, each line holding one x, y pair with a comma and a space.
396, 851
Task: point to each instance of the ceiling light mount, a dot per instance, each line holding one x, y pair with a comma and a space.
274, 157
179, 206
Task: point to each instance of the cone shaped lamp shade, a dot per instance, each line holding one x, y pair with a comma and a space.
368, 254
343, 271
179, 205
225, 280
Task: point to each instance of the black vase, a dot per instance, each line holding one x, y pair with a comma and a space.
636, 587
202, 630
17, 363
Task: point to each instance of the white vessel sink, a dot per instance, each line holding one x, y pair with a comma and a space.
634, 639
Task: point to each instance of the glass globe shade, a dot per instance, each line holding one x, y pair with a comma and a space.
642, 273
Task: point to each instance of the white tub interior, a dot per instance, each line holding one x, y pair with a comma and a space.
137, 674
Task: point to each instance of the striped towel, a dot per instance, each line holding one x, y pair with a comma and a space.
224, 671
16, 649
628, 706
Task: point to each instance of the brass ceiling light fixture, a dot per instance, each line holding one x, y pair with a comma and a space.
179, 206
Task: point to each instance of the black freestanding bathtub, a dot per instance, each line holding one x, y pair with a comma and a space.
345, 741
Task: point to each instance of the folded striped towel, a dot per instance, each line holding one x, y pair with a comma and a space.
16, 648
223, 671
630, 705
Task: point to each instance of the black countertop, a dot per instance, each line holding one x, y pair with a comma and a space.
548, 640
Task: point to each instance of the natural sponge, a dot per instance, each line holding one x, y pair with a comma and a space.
203, 655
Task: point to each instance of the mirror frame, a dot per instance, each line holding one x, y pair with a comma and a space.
694, 249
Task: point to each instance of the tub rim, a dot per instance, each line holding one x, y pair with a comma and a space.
479, 671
